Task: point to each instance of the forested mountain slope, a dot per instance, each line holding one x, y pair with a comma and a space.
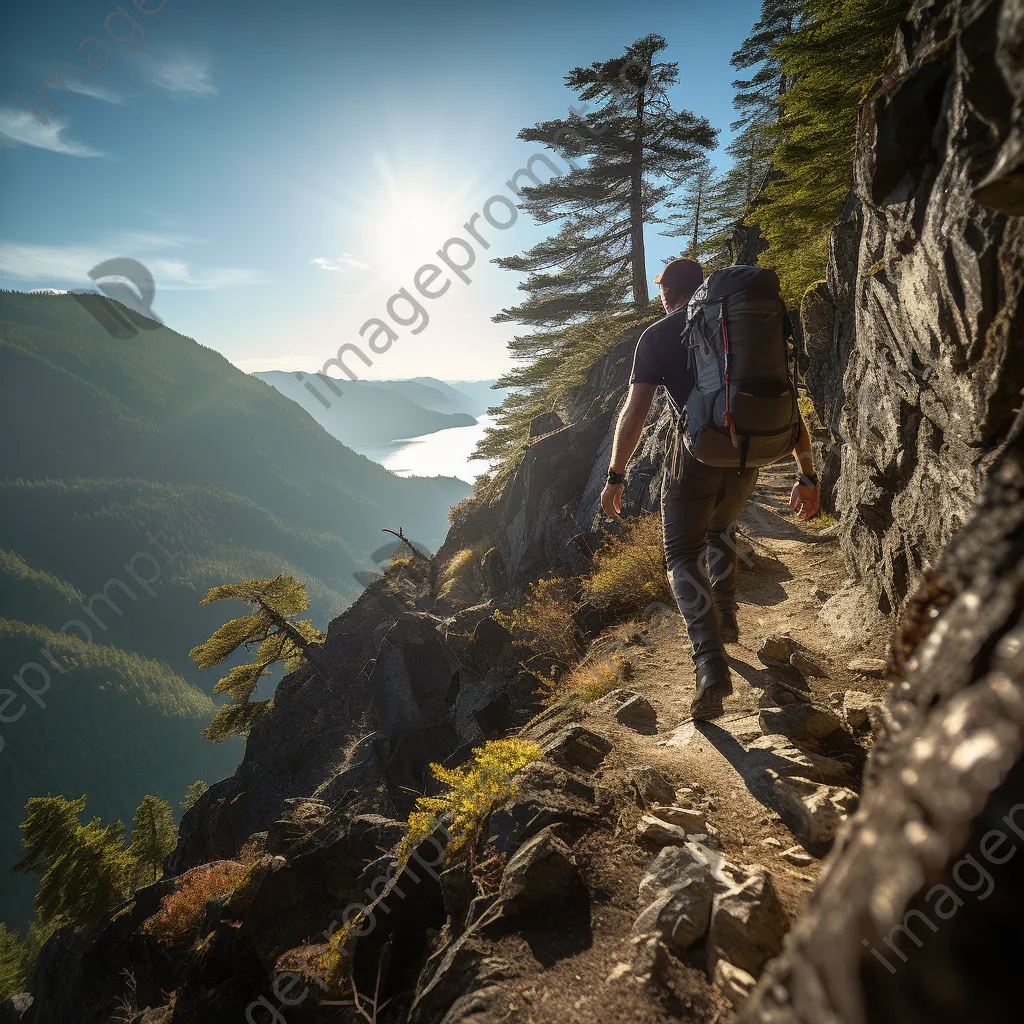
134, 475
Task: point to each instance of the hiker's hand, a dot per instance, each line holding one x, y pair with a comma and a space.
611, 499
805, 501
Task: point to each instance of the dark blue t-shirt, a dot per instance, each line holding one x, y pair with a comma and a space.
661, 358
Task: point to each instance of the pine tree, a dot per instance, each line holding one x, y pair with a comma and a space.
85, 870
154, 835
276, 636
633, 144
702, 216
18, 957
827, 68
192, 794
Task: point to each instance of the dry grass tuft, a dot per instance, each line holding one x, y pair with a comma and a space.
629, 569
182, 912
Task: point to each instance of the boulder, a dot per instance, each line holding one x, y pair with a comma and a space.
545, 795
629, 708
811, 728
650, 786
540, 875
576, 747
675, 864
681, 915
748, 924
814, 812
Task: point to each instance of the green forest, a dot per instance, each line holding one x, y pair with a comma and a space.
135, 475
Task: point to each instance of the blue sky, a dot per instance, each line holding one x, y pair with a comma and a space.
283, 169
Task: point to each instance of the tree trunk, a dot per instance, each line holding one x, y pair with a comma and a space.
638, 259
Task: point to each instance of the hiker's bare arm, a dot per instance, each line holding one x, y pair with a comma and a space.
627, 437
805, 500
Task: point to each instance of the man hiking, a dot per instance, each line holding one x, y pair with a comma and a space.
724, 360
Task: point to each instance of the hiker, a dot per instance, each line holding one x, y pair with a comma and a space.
722, 354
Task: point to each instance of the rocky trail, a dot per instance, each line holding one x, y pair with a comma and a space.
743, 806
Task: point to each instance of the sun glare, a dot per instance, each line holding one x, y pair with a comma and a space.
410, 227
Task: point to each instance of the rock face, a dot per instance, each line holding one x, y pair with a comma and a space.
915, 336
914, 917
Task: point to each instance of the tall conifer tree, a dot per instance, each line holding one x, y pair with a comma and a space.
153, 837
624, 156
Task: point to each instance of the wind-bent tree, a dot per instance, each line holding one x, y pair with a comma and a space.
275, 635
85, 870
624, 156
153, 837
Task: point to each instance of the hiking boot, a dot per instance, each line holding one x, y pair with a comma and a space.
714, 684
728, 627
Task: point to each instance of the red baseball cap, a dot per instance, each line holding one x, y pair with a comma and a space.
681, 275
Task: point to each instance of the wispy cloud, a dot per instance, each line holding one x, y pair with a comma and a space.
20, 128
97, 92
346, 261
184, 75
72, 263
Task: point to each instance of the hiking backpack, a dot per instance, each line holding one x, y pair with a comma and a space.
742, 411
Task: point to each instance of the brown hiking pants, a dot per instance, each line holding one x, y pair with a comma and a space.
699, 505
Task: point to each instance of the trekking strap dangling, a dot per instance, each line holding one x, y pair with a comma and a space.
728, 410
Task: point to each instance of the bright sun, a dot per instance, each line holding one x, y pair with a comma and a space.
410, 226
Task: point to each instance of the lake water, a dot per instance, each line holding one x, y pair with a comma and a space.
443, 453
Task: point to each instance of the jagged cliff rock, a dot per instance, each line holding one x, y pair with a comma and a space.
916, 914
915, 336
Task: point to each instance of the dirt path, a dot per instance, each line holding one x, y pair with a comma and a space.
579, 965
795, 568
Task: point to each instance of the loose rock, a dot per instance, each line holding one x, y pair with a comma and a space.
659, 833
816, 811
748, 924
775, 649
650, 786
860, 709
806, 665
577, 747
685, 817
868, 667
542, 873
796, 855
734, 982
681, 915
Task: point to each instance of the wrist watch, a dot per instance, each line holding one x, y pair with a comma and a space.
808, 479
616, 478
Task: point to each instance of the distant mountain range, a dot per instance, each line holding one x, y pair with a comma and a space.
134, 475
368, 413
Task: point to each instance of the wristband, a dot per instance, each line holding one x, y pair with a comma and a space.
616, 478
808, 479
